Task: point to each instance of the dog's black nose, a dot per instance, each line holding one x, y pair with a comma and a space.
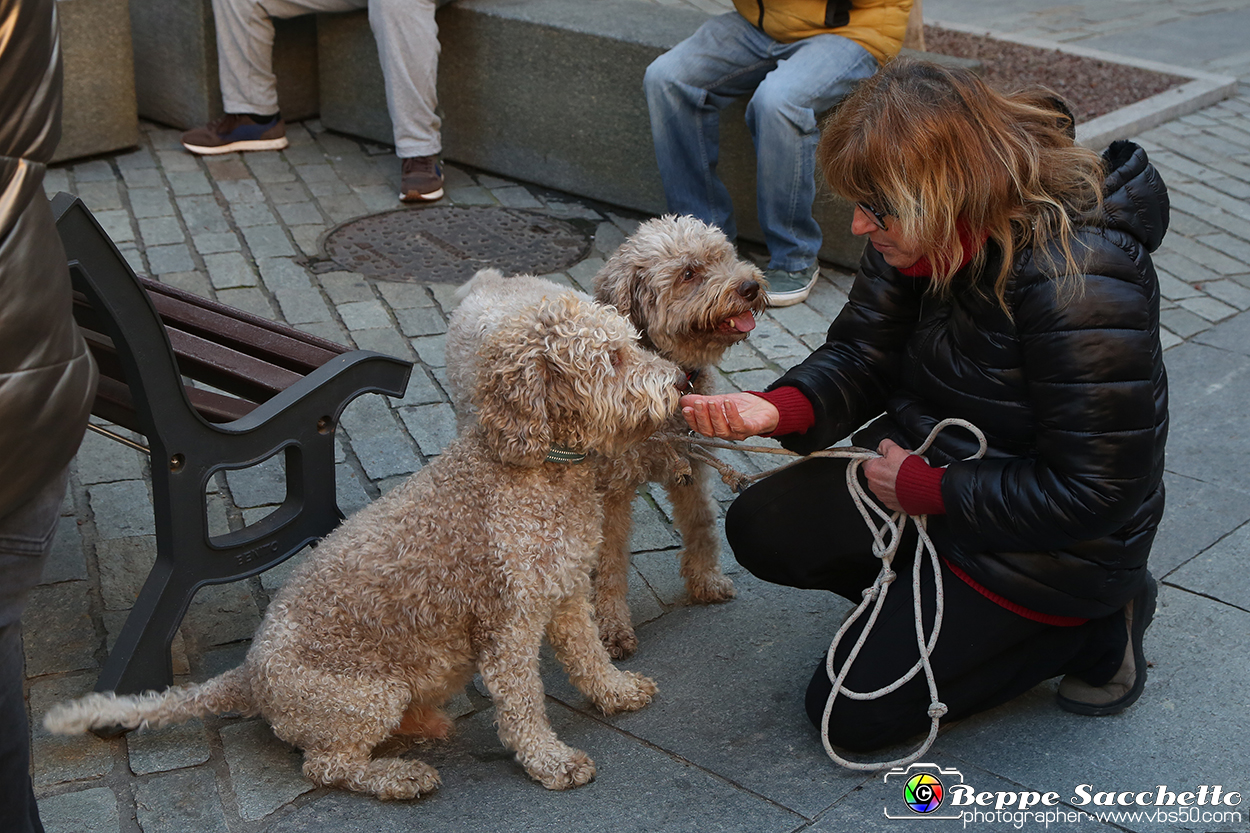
749, 290
684, 382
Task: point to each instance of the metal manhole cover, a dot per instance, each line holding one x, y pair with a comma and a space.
448, 244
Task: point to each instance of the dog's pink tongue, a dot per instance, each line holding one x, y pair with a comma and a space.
744, 323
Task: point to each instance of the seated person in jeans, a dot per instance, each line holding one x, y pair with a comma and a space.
797, 59
408, 47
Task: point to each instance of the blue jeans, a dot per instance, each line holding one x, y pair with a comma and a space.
25, 540
727, 57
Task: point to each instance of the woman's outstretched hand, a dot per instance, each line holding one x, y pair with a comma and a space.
729, 416
883, 471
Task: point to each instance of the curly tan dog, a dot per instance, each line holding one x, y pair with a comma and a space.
465, 566
483, 303
681, 283
683, 286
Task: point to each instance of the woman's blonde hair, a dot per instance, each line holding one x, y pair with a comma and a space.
943, 153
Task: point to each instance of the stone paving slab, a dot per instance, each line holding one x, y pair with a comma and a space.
1204, 34
1216, 35
1198, 515
638, 789
732, 679
1208, 396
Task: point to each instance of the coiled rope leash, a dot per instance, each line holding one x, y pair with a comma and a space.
886, 539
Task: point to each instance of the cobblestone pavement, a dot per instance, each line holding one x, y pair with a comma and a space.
242, 229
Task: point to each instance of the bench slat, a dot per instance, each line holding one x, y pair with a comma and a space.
228, 369
284, 349
155, 288
229, 349
114, 403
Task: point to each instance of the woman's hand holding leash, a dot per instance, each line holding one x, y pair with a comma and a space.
883, 471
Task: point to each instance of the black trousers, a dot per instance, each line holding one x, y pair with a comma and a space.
800, 528
25, 540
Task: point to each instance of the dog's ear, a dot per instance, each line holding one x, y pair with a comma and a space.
613, 281
511, 395
621, 283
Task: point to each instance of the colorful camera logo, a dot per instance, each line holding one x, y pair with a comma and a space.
924, 789
923, 793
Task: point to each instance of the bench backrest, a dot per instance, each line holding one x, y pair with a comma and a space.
243, 358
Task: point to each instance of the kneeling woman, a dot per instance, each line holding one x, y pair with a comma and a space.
1008, 282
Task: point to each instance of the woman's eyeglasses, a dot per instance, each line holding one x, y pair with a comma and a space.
878, 217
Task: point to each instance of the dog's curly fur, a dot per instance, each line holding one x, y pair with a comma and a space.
464, 566
683, 286
483, 303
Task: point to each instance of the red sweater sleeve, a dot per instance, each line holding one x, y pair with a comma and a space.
794, 409
918, 487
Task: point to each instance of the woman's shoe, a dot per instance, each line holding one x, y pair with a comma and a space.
1123, 689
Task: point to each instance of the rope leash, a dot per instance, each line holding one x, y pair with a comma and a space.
886, 539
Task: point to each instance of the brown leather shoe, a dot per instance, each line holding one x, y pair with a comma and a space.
1123, 689
233, 132
422, 179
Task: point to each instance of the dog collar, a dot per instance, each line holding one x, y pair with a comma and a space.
562, 454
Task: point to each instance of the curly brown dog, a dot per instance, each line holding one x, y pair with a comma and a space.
683, 286
681, 283
464, 566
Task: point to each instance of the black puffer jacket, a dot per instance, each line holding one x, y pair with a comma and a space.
1070, 391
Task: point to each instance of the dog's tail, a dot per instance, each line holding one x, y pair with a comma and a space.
229, 692
482, 276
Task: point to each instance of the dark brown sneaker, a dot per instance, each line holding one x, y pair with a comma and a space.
233, 132
422, 179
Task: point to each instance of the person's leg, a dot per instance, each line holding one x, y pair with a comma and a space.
812, 75
985, 655
408, 49
25, 539
249, 90
245, 48
799, 527
16, 793
686, 89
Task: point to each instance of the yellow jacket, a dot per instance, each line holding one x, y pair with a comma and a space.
876, 25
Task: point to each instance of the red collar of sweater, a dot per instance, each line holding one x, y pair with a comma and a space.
971, 241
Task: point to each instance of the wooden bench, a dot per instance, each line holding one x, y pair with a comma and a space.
274, 390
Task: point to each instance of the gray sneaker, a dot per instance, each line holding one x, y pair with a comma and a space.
788, 288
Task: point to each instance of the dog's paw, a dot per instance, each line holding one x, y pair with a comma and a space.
572, 770
390, 778
709, 588
634, 692
406, 779
618, 639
